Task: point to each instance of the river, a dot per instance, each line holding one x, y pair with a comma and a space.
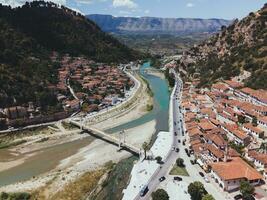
49, 158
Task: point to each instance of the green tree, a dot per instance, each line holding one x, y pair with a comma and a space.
158, 159
241, 119
180, 162
145, 147
196, 190
208, 197
246, 190
160, 194
254, 121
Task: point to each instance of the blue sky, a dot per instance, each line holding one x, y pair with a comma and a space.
227, 9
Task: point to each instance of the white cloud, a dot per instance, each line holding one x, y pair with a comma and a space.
190, 5
16, 3
147, 11
124, 3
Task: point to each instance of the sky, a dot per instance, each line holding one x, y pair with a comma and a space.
225, 9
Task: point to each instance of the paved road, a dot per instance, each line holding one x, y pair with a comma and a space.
170, 160
193, 170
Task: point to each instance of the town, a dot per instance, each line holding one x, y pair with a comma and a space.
82, 85
226, 130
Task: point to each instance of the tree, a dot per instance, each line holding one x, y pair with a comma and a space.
158, 159
241, 119
145, 147
208, 197
254, 121
160, 194
196, 190
180, 162
246, 190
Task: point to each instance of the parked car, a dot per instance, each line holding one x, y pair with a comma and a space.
162, 178
177, 150
201, 174
237, 197
206, 179
177, 178
144, 191
192, 162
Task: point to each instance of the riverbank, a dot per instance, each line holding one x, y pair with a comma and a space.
139, 126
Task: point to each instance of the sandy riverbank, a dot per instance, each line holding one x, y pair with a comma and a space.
86, 159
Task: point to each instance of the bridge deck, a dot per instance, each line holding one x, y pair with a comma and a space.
106, 136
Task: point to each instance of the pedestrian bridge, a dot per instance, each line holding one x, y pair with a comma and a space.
107, 137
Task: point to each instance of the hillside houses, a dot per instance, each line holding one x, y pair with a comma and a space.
221, 124
79, 80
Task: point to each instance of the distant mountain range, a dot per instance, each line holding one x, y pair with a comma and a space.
153, 25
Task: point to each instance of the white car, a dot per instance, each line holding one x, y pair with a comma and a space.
206, 179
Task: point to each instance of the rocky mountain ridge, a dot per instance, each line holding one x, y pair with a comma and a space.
154, 25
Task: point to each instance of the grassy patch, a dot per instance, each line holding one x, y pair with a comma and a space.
179, 171
4, 145
75, 190
149, 107
116, 181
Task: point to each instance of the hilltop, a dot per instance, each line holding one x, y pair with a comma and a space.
28, 36
154, 25
237, 49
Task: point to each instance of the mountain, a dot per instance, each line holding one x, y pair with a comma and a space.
28, 36
238, 49
153, 25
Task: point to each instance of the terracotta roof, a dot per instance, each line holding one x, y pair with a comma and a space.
194, 132
253, 128
262, 157
236, 168
234, 84
216, 139
263, 119
206, 125
216, 152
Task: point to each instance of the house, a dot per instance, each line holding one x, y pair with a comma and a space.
259, 159
228, 175
253, 130
15, 112
72, 104
262, 121
219, 87
205, 125
236, 135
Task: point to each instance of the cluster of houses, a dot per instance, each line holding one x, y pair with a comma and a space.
226, 128
80, 81
98, 84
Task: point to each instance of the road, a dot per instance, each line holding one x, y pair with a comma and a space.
171, 158
193, 170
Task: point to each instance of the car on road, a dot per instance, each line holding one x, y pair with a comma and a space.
144, 191
206, 179
175, 133
177, 178
237, 197
177, 150
179, 141
201, 174
162, 178
192, 162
